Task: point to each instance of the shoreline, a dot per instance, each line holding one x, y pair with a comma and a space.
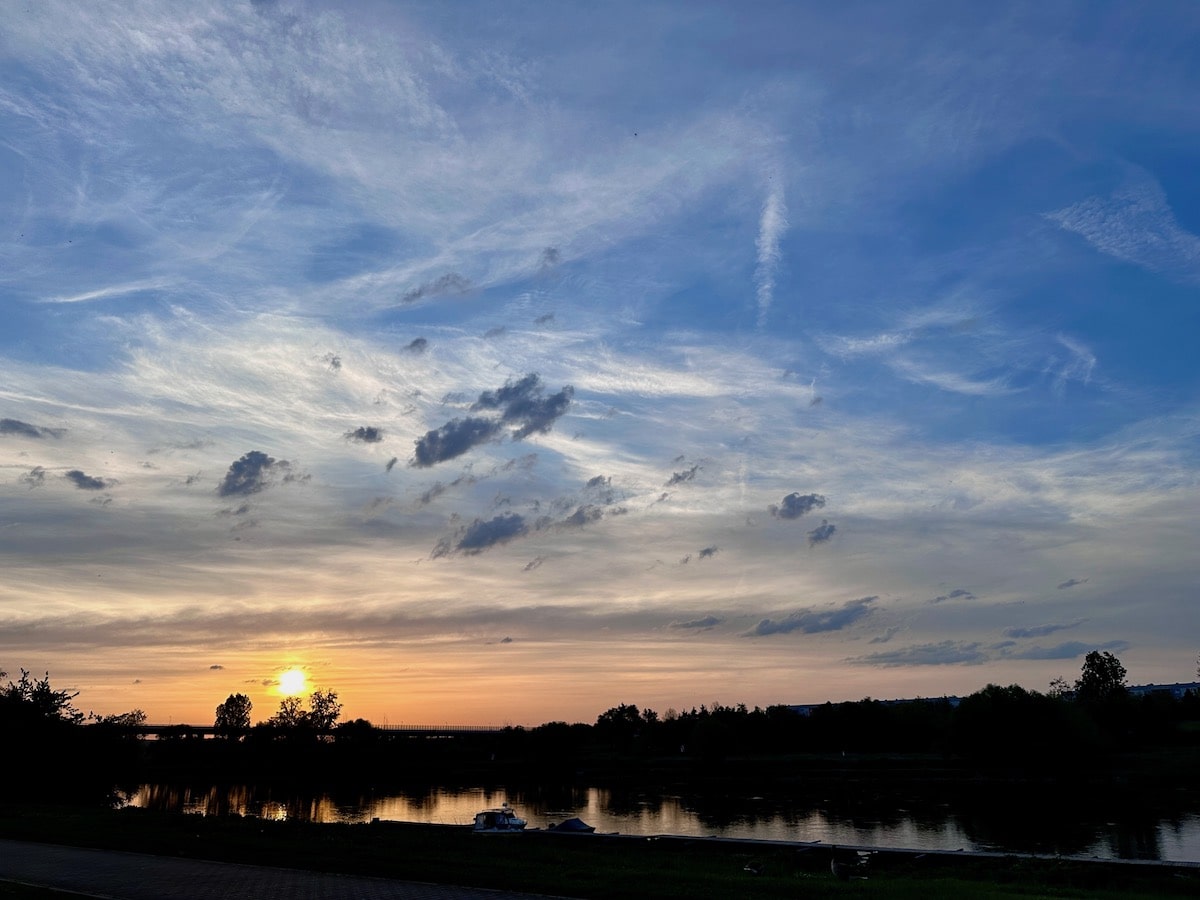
597, 866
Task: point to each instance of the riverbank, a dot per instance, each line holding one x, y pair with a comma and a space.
593, 866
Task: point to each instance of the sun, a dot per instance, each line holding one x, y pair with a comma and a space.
292, 682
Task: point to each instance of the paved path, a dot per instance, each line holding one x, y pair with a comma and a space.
135, 876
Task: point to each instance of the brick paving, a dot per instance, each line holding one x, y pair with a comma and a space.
135, 876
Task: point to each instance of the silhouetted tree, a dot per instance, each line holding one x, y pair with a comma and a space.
42, 728
233, 716
124, 722
1015, 727
1059, 688
33, 702
1102, 679
291, 714
625, 718
322, 714
323, 710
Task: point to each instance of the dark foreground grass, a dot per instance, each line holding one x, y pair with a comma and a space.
583, 866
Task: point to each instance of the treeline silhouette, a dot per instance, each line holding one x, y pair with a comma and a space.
56, 751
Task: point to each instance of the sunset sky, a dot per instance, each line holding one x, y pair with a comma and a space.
502, 362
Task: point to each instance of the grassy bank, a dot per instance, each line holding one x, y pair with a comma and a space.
584, 866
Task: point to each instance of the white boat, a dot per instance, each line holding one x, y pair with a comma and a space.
498, 821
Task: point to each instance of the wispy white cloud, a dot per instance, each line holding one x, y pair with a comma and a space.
771, 226
116, 290
1135, 224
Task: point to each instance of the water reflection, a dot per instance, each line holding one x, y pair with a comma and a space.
1002, 826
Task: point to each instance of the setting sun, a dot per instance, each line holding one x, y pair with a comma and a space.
292, 682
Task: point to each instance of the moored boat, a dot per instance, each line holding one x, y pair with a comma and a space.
502, 820
573, 826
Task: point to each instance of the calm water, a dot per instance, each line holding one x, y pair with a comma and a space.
940, 828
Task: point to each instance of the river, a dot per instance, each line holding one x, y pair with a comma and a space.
1066, 832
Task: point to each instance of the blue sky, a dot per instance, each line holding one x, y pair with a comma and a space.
504, 361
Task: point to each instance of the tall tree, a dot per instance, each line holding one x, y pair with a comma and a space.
292, 714
233, 716
323, 710
1101, 680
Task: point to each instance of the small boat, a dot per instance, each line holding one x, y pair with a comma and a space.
498, 821
573, 826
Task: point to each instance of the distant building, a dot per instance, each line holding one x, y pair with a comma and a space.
1175, 691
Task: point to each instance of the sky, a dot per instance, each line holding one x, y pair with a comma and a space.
501, 362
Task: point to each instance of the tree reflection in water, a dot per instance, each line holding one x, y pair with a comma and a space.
1003, 820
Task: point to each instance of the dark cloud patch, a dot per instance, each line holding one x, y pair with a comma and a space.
698, 624
537, 415
794, 505
956, 594
808, 621
192, 479
1072, 582
365, 434
1067, 650
513, 391
709, 552
546, 319
481, 535
88, 482
506, 640
600, 489
453, 439
550, 258
215, 667
495, 332
232, 511
417, 345
251, 473
534, 563
943, 653
333, 361
1038, 630
35, 477
821, 533
683, 477
450, 283
521, 402
687, 559
584, 515
24, 429
391, 464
